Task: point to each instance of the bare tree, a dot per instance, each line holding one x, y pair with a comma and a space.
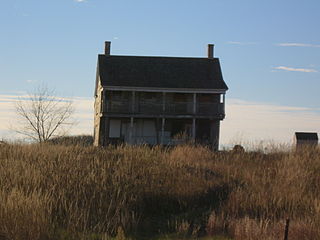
42, 115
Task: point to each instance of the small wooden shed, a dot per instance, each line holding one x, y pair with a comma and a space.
306, 139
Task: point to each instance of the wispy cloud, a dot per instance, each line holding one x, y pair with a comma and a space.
31, 81
291, 69
298, 45
248, 121
241, 43
80, 1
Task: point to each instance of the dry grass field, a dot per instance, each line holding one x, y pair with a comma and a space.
55, 192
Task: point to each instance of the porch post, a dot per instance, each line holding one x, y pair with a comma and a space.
133, 101
163, 119
162, 130
131, 131
194, 119
194, 103
106, 131
214, 134
163, 102
193, 130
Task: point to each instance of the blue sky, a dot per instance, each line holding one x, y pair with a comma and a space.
269, 50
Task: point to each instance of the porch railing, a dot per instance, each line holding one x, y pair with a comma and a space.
170, 108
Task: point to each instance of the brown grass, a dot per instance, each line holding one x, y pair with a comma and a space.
76, 192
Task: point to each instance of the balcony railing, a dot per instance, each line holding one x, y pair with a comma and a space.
170, 108
148, 107
118, 107
209, 108
179, 108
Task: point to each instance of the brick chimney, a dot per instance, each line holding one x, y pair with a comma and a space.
210, 51
107, 47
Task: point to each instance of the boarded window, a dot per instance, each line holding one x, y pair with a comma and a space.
115, 128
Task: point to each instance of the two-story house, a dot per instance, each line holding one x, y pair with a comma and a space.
158, 100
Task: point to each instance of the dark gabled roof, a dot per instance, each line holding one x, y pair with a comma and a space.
160, 72
306, 136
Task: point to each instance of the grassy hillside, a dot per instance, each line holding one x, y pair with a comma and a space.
77, 192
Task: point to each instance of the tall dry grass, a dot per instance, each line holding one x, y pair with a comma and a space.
76, 192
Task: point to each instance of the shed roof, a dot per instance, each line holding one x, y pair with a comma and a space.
160, 72
306, 136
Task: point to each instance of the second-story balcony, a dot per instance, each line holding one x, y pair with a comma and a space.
169, 108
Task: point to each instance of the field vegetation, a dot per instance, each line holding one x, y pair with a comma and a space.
57, 192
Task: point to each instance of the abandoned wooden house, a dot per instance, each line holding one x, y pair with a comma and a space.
306, 139
158, 100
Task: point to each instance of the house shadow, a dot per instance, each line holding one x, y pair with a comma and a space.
162, 214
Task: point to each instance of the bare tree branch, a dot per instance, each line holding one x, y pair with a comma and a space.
43, 115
